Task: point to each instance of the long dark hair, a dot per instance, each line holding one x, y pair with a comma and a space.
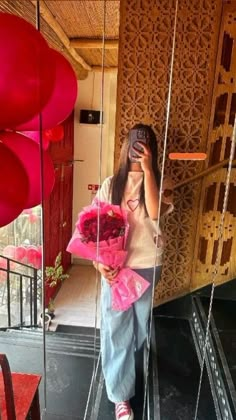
120, 177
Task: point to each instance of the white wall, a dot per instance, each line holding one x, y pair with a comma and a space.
89, 138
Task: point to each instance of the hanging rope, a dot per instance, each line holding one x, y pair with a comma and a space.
38, 27
95, 362
148, 342
217, 264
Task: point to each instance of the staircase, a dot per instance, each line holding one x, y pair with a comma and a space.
72, 356
177, 367
69, 366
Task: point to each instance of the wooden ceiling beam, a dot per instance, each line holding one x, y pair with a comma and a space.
54, 25
87, 43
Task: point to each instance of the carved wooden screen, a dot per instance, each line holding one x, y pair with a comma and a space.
146, 34
218, 149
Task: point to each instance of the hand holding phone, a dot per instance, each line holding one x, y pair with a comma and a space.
136, 136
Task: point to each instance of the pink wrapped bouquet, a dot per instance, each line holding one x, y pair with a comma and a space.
100, 235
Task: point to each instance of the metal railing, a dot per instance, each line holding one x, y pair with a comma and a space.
20, 294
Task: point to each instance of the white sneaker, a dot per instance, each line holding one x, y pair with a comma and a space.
124, 411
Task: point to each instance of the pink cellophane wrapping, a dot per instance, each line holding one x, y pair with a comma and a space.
128, 286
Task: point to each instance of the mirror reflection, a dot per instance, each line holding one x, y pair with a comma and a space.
89, 160
176, 76
215, 258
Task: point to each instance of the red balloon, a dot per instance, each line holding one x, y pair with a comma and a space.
33, 218
27, 71
3, 274
38, 261
10, 251
3, 263
20, 253
35, 135
62, 100
14, 186
28, 152
54, 134
27, 211
34, 257
30, 253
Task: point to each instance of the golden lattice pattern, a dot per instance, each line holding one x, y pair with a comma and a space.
209, 233
219, 144
146, 38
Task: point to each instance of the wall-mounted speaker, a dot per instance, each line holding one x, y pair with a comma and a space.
88, 116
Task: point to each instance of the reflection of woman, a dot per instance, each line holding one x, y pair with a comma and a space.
135, 187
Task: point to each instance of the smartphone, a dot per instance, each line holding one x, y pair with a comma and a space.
137, 135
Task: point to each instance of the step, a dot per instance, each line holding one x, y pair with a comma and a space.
54, 342
179, 371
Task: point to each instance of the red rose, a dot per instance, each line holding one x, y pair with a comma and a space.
111, 226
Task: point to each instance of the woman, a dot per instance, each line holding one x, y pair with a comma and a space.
135, 186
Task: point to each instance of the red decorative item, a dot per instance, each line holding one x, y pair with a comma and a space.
14, 186
62, 100
27, 211
3, 276
20, 253
54, 134
10, 251
33, 218
34, 256
35, 135
27, 71
3, 263
51, 134
28, 152
38, 261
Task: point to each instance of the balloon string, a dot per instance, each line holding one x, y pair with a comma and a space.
95, 363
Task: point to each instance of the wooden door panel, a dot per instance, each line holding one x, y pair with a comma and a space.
67, 193
52, 221
63, 151
58, 208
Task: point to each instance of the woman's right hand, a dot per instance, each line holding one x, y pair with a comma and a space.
107, 272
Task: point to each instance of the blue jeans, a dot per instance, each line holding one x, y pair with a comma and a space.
123, 332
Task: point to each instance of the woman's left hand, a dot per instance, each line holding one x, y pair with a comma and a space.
144, 157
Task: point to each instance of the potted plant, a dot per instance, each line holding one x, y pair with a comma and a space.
54, 276
47, 321
50, 310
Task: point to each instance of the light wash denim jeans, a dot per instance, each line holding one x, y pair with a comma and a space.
122, 332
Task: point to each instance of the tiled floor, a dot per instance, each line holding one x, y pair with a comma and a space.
75, 303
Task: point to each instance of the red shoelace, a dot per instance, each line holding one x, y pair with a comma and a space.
122, 409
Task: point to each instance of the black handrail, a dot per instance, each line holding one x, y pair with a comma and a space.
27, 287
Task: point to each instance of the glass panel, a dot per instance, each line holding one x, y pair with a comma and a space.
214, 305
21, 294
72, 348
191, 106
